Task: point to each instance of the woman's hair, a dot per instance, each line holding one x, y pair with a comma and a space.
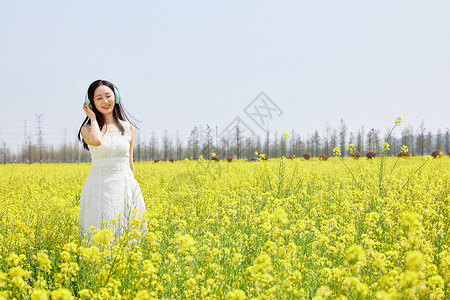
119, 112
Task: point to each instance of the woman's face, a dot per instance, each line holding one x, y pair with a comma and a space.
104, 99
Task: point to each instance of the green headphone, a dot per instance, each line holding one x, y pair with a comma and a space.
116, 98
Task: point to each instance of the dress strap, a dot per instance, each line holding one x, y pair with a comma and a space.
127, 127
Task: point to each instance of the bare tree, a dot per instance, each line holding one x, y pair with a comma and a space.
238, 137
153, 146
373, 140
316, 143
326, 142
194, 142
420, 141
428, 142
166, 145
343, 137
275, 146
267, 143
447, 141
439, 144
179, 147
208, 144
333, 140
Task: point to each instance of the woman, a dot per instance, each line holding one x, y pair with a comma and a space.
111, 189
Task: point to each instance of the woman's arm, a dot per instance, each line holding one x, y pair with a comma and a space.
131, 147
91, 134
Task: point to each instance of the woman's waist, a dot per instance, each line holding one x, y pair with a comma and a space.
113, 163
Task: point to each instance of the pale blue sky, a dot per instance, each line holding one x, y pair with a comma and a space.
179, 64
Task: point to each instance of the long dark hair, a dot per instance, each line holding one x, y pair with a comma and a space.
119, 112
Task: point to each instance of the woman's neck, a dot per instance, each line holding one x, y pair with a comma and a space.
109, 119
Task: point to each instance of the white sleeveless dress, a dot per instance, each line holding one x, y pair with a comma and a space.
110, 189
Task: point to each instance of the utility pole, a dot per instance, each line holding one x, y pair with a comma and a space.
40, 136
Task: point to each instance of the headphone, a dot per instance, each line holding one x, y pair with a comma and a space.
116, 97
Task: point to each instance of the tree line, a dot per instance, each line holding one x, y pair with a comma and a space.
237, 143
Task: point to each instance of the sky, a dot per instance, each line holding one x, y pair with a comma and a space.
180, 64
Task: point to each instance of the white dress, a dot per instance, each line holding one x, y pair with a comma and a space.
110, 189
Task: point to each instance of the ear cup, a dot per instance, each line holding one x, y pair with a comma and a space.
88, 102
116, 96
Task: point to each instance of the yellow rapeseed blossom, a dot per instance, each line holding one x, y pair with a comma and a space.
293, 229
237, 294
336, 151
103, 237
39, 295
355, 252
44, 261
279, 217
351, 148
185, 243
61, 294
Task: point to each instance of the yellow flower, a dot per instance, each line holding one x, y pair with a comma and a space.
13, 260
61, 294
261, 268
410, 218
237, 294
70, 247
213, 155
103, 237
385, 146
415, 260
285, 135
336, 152
44, 261
185, 244
85, 293
354, 252
148, 268
279, 217
351, 148
145, 295
324, 292
3, 279
398, 121
65, 256
256, 153
39, 295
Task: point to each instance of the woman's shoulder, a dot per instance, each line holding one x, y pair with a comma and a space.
127, 125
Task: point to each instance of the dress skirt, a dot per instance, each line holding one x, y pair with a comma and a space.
110, 193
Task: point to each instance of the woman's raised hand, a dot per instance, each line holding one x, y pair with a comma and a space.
89, 111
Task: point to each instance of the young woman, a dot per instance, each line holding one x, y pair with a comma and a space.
111, 189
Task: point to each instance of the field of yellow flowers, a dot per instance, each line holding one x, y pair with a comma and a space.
277, 229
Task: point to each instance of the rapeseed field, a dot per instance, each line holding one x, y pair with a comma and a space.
342, 228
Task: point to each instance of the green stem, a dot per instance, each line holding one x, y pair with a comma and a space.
383, 155
414, 173
350, 172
